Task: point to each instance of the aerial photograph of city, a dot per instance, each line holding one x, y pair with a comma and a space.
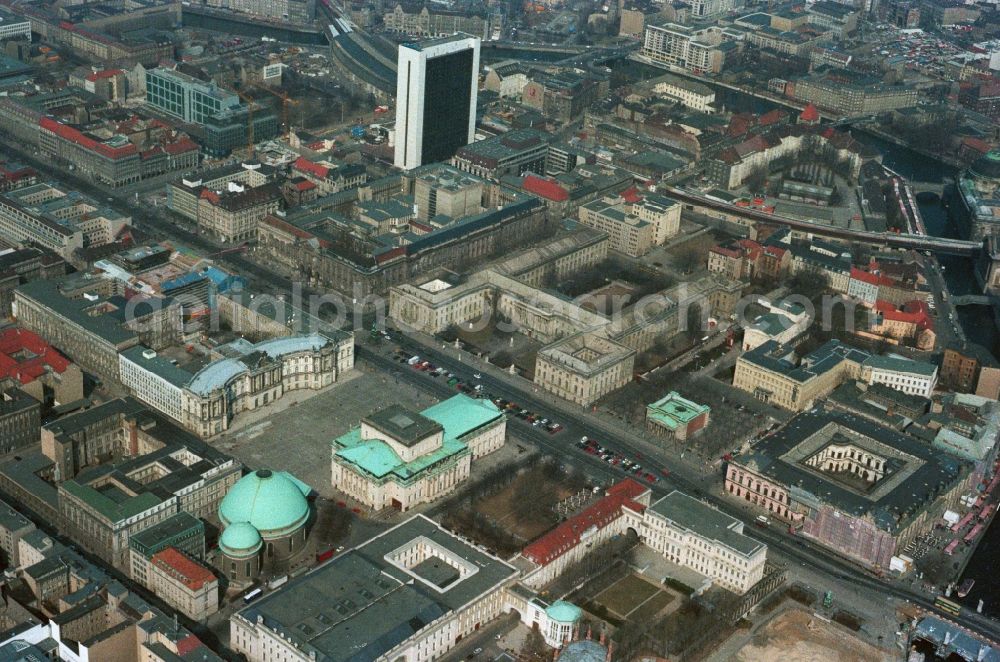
499, 330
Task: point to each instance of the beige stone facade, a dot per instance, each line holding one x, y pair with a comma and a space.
588, 354
184, 584
634, 227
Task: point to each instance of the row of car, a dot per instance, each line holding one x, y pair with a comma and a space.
591, 447
476, 390
514, 409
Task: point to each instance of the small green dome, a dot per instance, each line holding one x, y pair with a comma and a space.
271, 502
564, 612
240, 539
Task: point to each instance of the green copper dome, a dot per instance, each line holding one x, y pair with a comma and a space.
987, 166
240, 539
274, 503
564, 612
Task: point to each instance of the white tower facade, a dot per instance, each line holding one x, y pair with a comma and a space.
436, 87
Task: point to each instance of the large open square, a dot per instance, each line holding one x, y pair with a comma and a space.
296, 437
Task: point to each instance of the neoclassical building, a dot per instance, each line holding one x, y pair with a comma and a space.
246, 377
265, 516
400, 458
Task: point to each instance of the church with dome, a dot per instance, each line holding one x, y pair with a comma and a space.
978, 191
264, 517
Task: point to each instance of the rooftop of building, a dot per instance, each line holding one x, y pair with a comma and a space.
916, 472
673, 408
699, 518
492, 151
100, 316
402, 424
457, 417
183, 568
25, 356
586, 353
599, 514
160, 534
781, 359
270, 501
902, 364
371, 597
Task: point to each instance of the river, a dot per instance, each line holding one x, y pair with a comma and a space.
977, 322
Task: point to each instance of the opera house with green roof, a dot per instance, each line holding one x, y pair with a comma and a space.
400, 458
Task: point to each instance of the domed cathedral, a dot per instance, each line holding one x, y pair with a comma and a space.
979, 215
985, 171
265, 516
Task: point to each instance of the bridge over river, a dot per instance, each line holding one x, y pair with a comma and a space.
920, 242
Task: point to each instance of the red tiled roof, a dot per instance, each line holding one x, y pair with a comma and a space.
913, 312
39, 357
751, 248
74, 136
193, 574
180, 146
810, 114
773, 117
870, 277
188, 644
210, 195
545, 188
631, 195
727, 251
600, 514
304, 185
303, 164
106, 73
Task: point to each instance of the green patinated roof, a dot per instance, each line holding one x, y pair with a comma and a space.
115, 505
268, 501
458, 415
240, 538
672, 410
564, 612
378, 459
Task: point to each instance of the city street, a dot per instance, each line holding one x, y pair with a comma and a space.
686, 476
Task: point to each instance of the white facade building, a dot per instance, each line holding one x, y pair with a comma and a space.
902, 374
14, 27
697, 536
436, 93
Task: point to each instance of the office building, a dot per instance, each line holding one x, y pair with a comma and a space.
62, 221
701, 50
185, 97
635, 226
435, 99
513, 153
849, 484
86, 319
184, 584
693, 534
20, 418
13, 26
181, 531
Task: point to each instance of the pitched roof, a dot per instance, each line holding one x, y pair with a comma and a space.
809, 114
567, 535
545, 188
190, 572
25, 356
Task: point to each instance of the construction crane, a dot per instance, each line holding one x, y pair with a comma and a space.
286, 101
250, 103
